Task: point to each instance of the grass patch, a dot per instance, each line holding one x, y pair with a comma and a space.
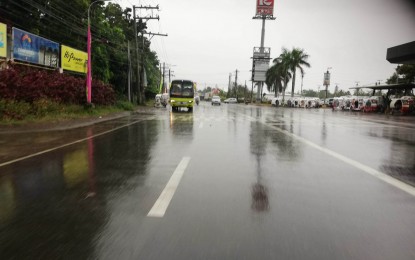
20, 113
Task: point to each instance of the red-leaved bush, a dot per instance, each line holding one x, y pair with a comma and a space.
22, 83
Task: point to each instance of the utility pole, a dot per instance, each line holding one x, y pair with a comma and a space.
139, 100
164, 76
252, 90
236, 84
229, 86
129, 73
245, 93
140, 84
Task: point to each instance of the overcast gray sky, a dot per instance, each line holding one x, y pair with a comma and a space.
209, 39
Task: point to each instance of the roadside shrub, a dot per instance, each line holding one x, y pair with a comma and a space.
125, 105
43, 107
14, 110
26, 84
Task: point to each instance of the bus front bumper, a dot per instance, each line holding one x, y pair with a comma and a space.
179, 103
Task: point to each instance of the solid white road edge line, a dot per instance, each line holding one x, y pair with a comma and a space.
159, 208
380, 175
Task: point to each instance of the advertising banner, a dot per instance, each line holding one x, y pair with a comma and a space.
3, 40
265, 7
34, 49
73, 59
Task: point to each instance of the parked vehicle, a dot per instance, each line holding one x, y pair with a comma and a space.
276, 101
338, 103
356, 104
230, 100
322, 102
348, 102
215, 100
312, 103
403, 104
372, 104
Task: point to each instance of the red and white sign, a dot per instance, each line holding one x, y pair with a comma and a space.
264, 7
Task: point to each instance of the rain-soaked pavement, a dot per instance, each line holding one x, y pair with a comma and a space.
242, 182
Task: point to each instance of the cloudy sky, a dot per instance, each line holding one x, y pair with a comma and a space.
209, 39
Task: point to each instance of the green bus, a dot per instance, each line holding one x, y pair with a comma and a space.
182, 93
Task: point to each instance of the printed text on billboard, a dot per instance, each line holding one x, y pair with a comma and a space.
34, 49
73, 59
264, 7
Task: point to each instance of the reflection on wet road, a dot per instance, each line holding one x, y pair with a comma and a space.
260, 183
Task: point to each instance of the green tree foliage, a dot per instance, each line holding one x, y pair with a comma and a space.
279, 74
403, 74
310, 93
283, 63
111, 27
275, 77
298, 60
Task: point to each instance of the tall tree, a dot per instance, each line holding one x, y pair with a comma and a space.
65, 22
275, 77
403, 74
298, 60
284, 60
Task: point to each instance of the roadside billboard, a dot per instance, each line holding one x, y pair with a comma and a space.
73, 59
3, 40
265, 7
34, 49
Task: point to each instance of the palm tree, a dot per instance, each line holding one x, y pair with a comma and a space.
298, 58
284, 61
270, 79
275, 77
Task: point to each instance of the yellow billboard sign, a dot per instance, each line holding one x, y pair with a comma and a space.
73, 59
3, 40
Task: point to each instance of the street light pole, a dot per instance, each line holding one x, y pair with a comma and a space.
89, 65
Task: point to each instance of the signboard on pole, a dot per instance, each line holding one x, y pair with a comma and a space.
262, 53
259, 70
260, 63
34, 49
73, 59
326, 79
3, 40
264, 7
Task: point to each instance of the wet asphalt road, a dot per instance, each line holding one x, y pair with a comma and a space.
259, 183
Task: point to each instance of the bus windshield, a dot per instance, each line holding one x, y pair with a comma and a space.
182, 88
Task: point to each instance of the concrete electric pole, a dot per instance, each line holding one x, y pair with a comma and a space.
236, 84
